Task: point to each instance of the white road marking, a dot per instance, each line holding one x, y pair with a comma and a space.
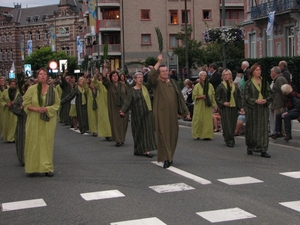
171, 188
295, 174
185, 174
240, 180
223, 215
295, 205
102, 195
34, 203
147, 221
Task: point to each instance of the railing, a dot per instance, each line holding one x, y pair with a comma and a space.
277, 5
111, 48
232, 1
232, 22
108, 1
110, 24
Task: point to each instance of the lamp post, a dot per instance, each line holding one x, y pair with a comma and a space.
186, 40
223, 24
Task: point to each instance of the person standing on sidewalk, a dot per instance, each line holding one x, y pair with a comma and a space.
168, 101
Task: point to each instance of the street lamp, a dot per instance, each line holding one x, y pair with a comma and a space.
186, 39
223, 24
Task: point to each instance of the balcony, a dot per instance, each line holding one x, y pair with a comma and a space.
233, 3
108, 2
113, 49
110, 25
280, 6
232, 22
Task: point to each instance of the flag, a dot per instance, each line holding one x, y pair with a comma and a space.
92, 15
79, 49
29, 47
22, 50
11, 74
271, 18
52, 38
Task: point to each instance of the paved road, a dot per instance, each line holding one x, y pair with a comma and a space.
97, 183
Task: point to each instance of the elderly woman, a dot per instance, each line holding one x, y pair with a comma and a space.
116, 92
257, 97
228, 98
41, 103
292, 112
80, 93
204, 99
138, 100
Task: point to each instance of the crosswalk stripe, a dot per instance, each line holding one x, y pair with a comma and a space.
26, 204
185, 174
223, 215
295, 205
295, 174
146, 221
240, 180
171, 188
102, 195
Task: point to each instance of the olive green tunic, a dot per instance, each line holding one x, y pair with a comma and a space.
9, 118
257, 118
99, 117
142, 125
118, 124
39, 140
202, 123
166, 105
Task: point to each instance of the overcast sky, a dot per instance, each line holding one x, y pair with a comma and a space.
29, 3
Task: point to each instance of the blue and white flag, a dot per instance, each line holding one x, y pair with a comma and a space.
79, 49
270, 26
29, 47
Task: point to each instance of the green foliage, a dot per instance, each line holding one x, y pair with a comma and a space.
41, 58
105, 51
150, 61
85, 63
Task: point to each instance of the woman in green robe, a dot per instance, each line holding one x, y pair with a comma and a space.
257, 97
204, 99
229, 100
41, 103
99, 116
9, 118
142, 125
80, 92
116, 94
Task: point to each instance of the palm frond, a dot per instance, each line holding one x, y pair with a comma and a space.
105, 51
159, 39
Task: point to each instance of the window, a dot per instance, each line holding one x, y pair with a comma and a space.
45, 35
173, 41
5, 37
63, 32
38, 36
173, 17
65, 49
1, 55
29, 35
11, 55
0, 38
5, 55
22, 36
9, 37
146, 39
290, 41
252, 45
145, 14
185, 17
207, 15
270, 45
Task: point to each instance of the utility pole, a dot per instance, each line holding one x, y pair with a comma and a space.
186, 40
223, 25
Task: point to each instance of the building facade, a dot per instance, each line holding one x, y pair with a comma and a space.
23, 30
284, 40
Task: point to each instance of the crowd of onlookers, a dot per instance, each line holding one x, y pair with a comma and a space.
217, 101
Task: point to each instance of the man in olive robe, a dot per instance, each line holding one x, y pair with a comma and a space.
9, 120
167, 103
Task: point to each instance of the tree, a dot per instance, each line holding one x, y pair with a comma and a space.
41, 58
194, 50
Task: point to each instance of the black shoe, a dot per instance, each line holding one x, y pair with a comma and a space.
230, 145
94, 135
149, 155
288, 137
49, 174
167, 164
249, 152
277, 135
265, 155
206, 139
118, 144
108, 138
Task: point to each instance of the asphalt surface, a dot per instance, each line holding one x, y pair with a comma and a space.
85, 164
